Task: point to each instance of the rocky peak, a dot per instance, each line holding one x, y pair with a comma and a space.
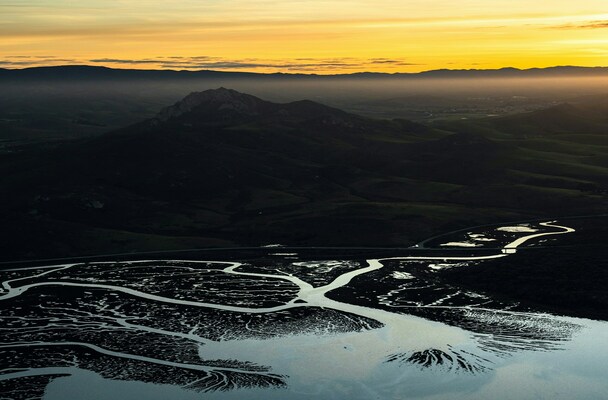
221, 99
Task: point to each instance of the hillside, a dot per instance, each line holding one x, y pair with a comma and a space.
49, 104
223, 168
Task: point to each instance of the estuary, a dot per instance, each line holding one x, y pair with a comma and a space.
289, 325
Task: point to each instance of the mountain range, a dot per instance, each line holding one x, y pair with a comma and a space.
80, 72
56, 103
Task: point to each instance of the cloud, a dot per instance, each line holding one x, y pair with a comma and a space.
232, 65
207, 62
596, 25
123, 61
184, 62
15, 63
586, 25
200, 58
388, 61
35, 61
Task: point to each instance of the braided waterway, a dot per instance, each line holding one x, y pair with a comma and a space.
159, 329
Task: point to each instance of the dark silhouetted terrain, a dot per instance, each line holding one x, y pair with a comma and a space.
223, 168
58, 103
568, 279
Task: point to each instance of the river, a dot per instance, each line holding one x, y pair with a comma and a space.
276, 328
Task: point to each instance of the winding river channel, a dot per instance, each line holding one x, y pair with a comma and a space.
292, 326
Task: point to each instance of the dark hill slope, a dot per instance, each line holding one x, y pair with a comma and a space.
565, 146
563, 118
225, 168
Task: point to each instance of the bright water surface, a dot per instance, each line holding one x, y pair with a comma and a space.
281, 328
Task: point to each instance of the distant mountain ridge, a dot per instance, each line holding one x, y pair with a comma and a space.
88, 72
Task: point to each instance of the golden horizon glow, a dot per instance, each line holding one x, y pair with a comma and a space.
305, 36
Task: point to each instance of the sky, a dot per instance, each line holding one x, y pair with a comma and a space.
304, 36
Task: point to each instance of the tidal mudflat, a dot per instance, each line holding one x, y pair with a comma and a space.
290, 326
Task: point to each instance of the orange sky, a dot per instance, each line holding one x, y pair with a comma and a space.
311, 36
